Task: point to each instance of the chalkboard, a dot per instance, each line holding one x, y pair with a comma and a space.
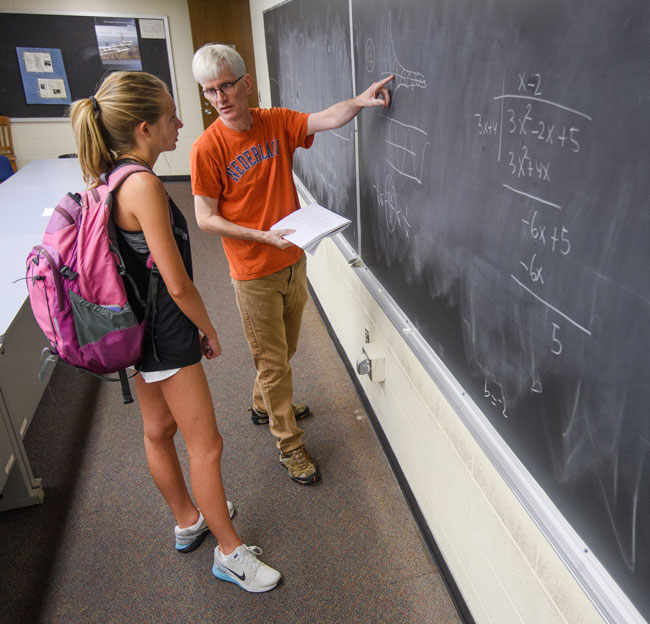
508, 215
75, 36
504, 206
308, 52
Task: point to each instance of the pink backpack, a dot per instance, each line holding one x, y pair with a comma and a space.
75, 279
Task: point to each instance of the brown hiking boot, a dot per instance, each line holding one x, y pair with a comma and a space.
300, 465
260, 417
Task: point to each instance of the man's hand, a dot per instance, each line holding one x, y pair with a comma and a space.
274, 237
376, 94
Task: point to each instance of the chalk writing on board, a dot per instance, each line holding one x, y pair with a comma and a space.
396, 218
532, 137
525, 120
495, 396
403, 77
407, 149
531, 196
406, 143
340, 136
370, 55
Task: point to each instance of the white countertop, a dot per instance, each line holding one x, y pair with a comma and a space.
25, 199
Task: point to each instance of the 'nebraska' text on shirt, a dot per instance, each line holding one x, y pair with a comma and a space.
251, 157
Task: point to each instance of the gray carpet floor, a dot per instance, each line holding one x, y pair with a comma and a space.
100, 547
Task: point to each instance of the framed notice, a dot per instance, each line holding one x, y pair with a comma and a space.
43, 75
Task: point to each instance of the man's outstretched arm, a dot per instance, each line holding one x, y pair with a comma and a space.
339, 114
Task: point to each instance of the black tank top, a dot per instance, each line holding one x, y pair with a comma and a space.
173, 337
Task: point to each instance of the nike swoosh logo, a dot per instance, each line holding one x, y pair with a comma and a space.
241, 577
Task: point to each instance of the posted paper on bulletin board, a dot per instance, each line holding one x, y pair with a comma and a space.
117, 40
43, 75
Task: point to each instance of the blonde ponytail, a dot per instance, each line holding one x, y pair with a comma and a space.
94, 156
104, 124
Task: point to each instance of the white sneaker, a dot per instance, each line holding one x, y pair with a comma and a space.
190, 538
243, 567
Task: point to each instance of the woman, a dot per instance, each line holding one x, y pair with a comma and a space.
132, 119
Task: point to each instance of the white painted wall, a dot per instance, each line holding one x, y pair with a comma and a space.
34, 140
503, 565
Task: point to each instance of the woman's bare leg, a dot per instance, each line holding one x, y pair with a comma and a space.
159, 430
188, 398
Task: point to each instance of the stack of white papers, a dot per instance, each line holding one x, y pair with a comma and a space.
311, 223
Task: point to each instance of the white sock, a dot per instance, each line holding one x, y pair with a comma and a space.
226, 557
194, 527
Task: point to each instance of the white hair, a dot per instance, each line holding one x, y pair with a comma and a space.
209, 60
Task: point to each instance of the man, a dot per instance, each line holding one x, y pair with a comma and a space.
243, 184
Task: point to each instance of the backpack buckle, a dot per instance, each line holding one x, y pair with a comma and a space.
66, 271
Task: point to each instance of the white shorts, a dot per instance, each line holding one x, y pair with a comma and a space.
153, 376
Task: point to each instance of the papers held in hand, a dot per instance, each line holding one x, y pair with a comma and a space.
312, 223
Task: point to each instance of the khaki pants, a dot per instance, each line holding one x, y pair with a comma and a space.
271, 309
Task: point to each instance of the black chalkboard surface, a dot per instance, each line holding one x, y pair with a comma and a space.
75, 36
504, 203
308, 51
504, 206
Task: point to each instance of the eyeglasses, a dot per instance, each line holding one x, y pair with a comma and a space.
226, 88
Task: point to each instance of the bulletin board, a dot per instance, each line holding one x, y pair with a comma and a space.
52, 59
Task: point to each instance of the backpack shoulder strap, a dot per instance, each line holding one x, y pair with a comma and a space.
120, 173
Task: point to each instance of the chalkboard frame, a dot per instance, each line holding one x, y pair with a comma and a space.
91, 14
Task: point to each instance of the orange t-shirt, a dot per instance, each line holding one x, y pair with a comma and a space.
250, 174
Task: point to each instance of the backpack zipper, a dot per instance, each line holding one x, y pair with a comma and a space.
55, 274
